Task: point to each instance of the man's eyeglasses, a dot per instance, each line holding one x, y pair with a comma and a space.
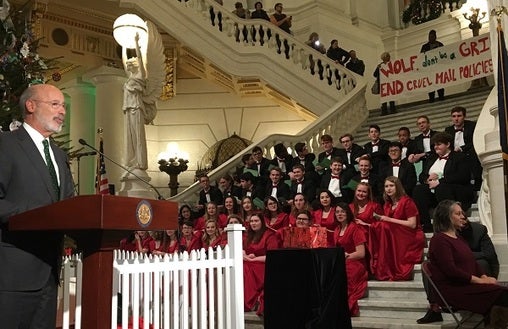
54, 104
302, 218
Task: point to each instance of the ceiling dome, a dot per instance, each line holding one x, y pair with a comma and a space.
222, 151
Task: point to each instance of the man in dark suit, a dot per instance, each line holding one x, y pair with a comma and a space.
432, 44
350, 154
423, 146
282, 160
445, 175
228, 188
329, 152
408, 144
365, 175
302, 184
261, 164
398, 167
276, 187
35, 173
336, 182
462, 130
208, 193
377, 148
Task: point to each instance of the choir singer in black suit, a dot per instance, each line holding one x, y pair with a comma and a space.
400, 168
463, 130
445, 175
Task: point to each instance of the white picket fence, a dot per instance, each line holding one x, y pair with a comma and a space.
203, 289
69, 292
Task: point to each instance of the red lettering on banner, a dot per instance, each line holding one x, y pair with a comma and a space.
474, 48
445, 76
391, 88
418, 83
479, 68
397, 66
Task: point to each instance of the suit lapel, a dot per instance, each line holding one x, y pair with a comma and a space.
28, 146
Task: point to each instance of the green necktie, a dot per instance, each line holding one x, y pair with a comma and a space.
51, 168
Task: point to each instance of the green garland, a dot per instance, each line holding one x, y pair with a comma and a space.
413, 13
20, 64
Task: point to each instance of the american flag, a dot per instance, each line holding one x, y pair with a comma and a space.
101, 181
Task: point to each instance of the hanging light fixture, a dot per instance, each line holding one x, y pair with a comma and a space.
125, 28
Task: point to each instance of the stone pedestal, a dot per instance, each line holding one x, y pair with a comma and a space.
135, 187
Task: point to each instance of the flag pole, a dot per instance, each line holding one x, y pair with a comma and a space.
502, 97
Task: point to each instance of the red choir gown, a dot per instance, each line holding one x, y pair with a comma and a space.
395, 248
452, 263
328, 222
216, 242
254, 272
282, 221
152, 246
223, 221
191, 244
367, 215
172, 248
127, 245
356, 269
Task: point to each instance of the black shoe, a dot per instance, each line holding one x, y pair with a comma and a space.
430, 317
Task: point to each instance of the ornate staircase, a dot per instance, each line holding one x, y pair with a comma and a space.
325, 90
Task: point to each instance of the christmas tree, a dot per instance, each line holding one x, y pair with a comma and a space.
20, 64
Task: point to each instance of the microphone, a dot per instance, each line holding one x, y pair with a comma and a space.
159, 196
84, 154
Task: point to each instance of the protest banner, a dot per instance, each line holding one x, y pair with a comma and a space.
438, 68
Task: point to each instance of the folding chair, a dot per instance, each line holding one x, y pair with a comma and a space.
447, 307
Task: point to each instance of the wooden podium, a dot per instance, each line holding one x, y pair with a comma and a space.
98, 223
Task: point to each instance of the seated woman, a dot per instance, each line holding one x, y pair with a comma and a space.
396, 241
142, 241
349, 236
364, 207
325, 215
456, 273
129, 243
299, 204
189, 241
169, 243
232, 219
156, 244
211, 236
229, 207
185, 213
210, 213
259, 239
247, 210
274, 217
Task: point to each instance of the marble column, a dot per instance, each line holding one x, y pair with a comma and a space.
81, 115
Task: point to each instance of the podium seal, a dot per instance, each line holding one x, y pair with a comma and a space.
144, 213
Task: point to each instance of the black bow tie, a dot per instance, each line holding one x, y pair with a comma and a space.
396, 164
444, 157
335, 177
459, 129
